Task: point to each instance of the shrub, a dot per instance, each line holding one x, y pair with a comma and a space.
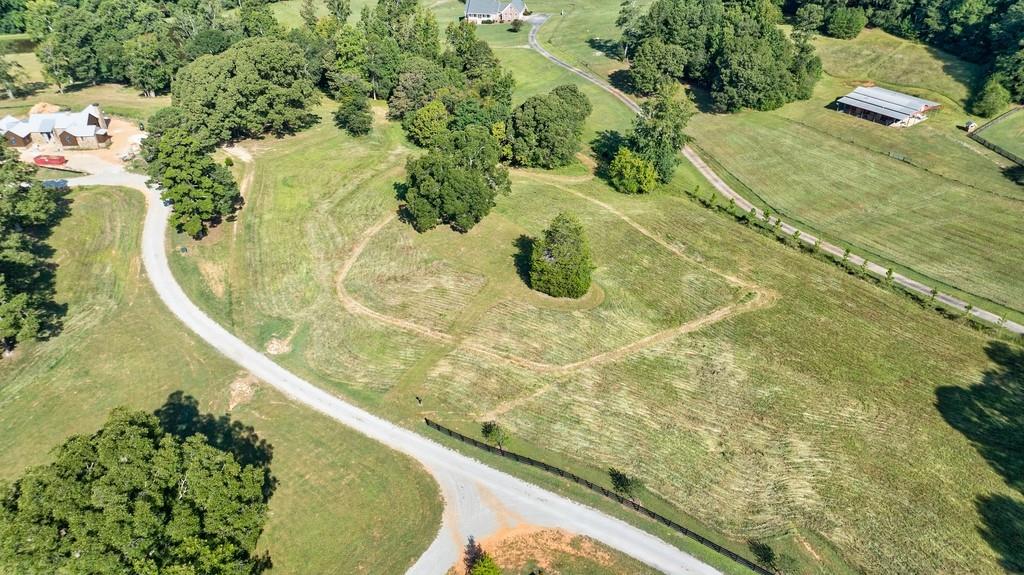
631, 174
846, 22
560, 264
992, 99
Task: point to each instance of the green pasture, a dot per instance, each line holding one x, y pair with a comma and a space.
343, 503
1008, 133
811, 420
927, 201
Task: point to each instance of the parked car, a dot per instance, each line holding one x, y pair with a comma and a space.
48, 160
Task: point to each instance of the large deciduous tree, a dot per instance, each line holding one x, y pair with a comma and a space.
258, 85
545, 130
133, 498
560, 264
456, 183
658, 134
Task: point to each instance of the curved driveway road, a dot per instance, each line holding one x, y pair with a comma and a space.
479, 500
903, 281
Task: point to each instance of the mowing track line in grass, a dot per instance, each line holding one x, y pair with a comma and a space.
467, 510
907, 283
762, 298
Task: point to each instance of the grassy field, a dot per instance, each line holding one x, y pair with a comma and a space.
1008, 133
115, 99
342, 504
806, 417
927, 201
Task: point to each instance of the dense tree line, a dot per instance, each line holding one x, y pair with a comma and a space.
12, 16
735, 49
28, 212
989, 32
137, 42
457, 103
135, 497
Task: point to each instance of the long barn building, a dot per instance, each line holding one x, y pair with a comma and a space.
886, 107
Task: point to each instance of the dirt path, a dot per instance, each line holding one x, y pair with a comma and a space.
761, 298
880, 271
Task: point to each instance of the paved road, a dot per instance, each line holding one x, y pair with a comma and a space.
538, 20
479, 500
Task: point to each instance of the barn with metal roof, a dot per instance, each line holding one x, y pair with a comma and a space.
886, 107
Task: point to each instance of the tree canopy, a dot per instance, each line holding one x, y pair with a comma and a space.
658, 133
28, 211
201, 191
256, 86
736, 50
632, 174
455, 183
134, 498
560, 264
545, 130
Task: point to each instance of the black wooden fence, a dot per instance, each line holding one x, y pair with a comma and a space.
606, 492
977, 137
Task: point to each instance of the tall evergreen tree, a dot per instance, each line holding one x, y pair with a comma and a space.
560, 263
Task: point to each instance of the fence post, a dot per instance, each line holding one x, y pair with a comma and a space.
603, 491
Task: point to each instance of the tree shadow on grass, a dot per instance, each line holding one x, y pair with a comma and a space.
1015, 174
521, 259
622, 81
180, 416
610, 48
37, 274
605, 145
991, 415
1003, 528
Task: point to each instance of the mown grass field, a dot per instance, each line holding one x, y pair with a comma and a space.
343, 504
1008, 133
115, 99
811, 421
927, 201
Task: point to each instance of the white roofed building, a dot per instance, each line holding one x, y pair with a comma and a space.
86, 129
886, 107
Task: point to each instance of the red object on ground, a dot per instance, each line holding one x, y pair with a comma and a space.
50, 160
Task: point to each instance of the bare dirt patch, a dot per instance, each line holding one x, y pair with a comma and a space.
242, 389
515, 547
281, 346
213, 275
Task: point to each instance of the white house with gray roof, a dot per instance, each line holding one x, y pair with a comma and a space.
886, 107
478, 11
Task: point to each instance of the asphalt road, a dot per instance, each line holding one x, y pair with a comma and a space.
925, 290
479, 500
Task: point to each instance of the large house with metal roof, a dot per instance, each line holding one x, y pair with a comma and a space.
86, 129
886, 107
478, 11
